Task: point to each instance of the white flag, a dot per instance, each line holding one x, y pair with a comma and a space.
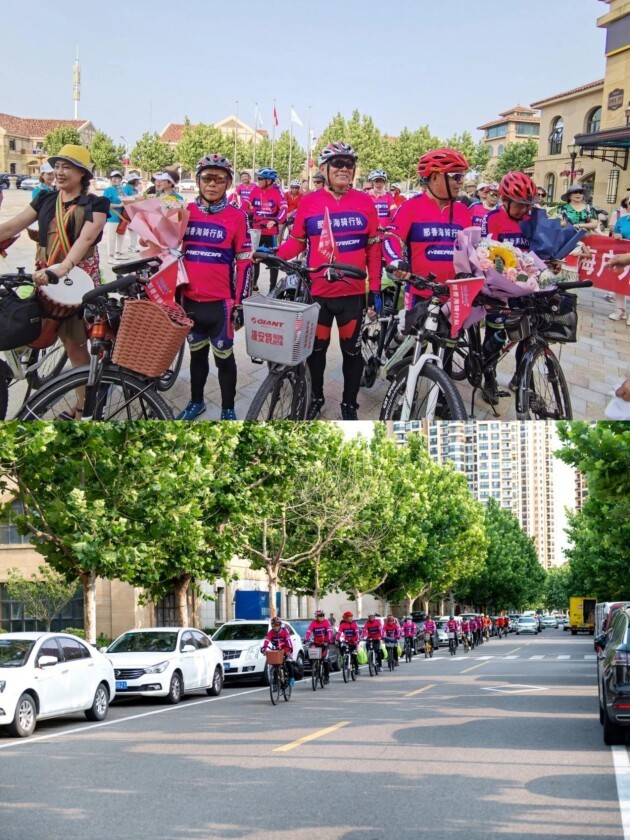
295, 118
258, 118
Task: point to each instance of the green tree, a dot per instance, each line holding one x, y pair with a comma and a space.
61, 136
516, 157
105, 154
558, 585
362, 134
44, 595
281, 157
151, 154
600, 533
197, 141
477, 154
404, 153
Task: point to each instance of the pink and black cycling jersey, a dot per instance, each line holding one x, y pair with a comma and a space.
355, 230
451, 626
478, 212
429, 626
410, 628
266, 206
241, 196
385, 208
321, 632
465, 626
498, 225
372, 630
391, 631
217, 255
424, 235
349, 632
280, 639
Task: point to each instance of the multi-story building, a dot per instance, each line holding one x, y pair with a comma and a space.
22, 141
514, 126
502, 460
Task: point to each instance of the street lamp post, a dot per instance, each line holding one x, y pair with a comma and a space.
573, 152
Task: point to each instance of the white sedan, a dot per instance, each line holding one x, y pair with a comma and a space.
29, 183
187, 185
165, 662
44, 675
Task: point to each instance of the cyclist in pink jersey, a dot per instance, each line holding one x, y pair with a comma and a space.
268, 210
373, 633
217, 257
488, 200
348, 632
321, 632
279, 638
518, 195
410, 631
399, 198
384, 201
421, 238
354, 226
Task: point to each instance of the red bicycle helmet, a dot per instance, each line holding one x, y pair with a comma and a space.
517, 186
442, 161
348, 616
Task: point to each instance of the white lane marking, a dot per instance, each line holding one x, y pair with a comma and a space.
564, 656
591, 657
622, 773
537, 657
511, 657
515, 689
81, 729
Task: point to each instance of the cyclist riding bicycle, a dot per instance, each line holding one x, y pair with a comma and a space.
280, 638
391, 633
410, 631
431, 628
354, 227
321, 632
217, 258
466, 631
373, 633
452, 629
348, 632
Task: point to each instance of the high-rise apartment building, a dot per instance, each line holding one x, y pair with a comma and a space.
513, 463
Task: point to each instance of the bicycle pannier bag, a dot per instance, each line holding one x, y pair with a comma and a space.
20, 320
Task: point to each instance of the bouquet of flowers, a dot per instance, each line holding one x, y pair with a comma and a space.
514, 265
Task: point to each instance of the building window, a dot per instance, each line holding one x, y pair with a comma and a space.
550, 186
13, 620
613, 186
497, 131
501, 149
12, 169
165, 612
527, 129
11, 145
555, 138
219, 604
8, 531
594, 121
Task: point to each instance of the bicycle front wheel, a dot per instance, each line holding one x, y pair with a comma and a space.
274, 684
315, 673
169, 377
408, 653
543, 392
120, 396
52, 361
345, 668
446, 404
283, 396
390, 658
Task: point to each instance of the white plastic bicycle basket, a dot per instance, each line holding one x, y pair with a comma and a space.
279, 331
315, 653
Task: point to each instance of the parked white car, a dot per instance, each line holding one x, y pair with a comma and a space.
29, 183
102, 183
165, 662
187, 185
45, 675
240, 641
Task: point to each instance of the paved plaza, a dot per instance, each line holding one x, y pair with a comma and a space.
593, 366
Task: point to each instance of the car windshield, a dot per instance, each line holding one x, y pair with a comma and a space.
161, 642
301, 625
15, 652
440, 625
241, 632
526, 620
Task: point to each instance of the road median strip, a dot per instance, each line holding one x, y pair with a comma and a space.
312, 737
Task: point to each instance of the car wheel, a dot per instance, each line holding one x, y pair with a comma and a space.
175, 690
217, 683
614, 735
25, 717
100, 704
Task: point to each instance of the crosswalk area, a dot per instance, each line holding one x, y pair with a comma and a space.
589, 657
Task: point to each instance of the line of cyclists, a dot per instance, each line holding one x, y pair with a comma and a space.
369, 230
468, 631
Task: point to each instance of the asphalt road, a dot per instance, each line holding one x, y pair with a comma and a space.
501, 743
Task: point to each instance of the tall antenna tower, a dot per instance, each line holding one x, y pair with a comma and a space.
76, 88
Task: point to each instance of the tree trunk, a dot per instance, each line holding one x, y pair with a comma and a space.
316, 582
88, 581
383, 602
410, 600
272, 587
48, 622
425, 606
181, 600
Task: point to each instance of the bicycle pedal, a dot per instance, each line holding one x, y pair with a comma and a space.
502, 394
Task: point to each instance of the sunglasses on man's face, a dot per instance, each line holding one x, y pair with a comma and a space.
458, 177
213, 179
342, 163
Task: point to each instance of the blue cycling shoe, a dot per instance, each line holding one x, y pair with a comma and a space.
228, 414
191, 411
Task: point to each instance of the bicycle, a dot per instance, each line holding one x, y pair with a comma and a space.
285, 394
373, 664
390, 645
34, 366
428, 646
452, 644
533, 322
279, 681
112, 392
408, 648
318, 673
381, 336
466, 642
421, 389
349, 666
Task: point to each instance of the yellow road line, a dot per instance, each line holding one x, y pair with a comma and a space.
510, 652
468, 670
420, 690
307, 738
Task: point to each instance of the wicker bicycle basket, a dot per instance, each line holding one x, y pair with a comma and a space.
274, 657
150, 336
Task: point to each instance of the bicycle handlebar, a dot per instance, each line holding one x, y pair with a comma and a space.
343, 268
114, 286
574, 284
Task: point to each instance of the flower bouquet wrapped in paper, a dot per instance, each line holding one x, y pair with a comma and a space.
548, 238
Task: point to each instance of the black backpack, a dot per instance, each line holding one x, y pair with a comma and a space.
20, 320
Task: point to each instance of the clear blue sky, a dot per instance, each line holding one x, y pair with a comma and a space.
451, 64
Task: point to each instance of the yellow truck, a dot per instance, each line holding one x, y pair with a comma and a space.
582, 615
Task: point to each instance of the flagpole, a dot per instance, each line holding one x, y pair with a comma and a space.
291, 146
255, 137
273, 136
236, 141
308, 149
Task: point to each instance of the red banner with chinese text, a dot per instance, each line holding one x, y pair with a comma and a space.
461, 296
595, 268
